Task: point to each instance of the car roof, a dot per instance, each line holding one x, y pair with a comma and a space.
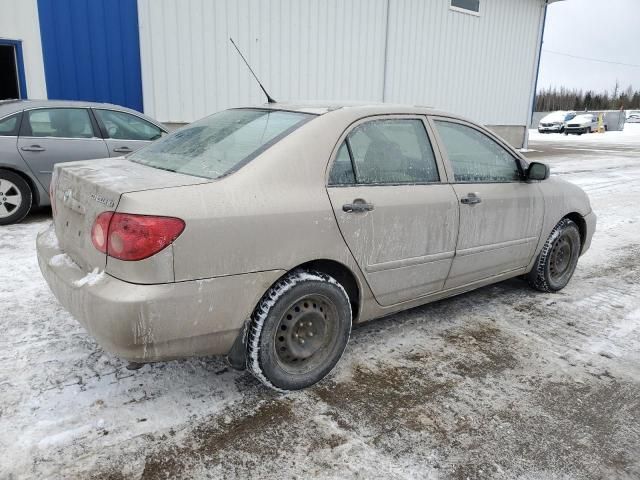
322, 108
7, 107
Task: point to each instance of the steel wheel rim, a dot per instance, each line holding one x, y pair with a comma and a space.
306, 334
560, 259
10, 198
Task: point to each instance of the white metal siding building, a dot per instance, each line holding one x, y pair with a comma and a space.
421, 52
482, 64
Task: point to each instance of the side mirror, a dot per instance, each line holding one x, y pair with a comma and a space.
538, 171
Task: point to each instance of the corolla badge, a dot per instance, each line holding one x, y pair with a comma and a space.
100, 199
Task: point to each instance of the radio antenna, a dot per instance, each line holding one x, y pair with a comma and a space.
269, 99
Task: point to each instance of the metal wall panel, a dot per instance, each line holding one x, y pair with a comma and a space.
300, 49
481, 66
19, 21
91, 50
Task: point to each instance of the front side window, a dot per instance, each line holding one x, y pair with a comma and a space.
9, 125
470, 5
389, 152
124, 126
59, 122
221, 143
475, 157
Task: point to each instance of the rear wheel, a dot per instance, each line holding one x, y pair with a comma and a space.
15, 197
557, 261
298, 331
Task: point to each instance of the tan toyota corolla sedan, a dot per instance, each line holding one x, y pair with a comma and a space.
264, 234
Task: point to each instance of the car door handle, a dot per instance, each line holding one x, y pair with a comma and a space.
358, 205
33, 148
122, 150
471, 199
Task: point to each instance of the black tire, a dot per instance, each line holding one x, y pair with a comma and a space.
16, 197
304, 306
557, 261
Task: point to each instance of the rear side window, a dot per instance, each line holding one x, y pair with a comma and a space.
58, 122
475, 157
342, 170
9, 125
393, 151
124, 126
219, 144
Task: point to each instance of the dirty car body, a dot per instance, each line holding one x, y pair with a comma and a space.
264, 233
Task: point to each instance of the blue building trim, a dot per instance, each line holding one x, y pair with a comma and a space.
22, 79
91, 50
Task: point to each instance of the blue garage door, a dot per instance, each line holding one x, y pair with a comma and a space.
91, 50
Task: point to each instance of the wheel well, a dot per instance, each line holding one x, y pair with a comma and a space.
237, 354
34, 189
582, 225
343, 275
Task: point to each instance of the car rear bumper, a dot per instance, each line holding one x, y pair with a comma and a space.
146, 323
590, 222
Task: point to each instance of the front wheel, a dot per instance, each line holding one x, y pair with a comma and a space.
298, 331
557, 261
15, 197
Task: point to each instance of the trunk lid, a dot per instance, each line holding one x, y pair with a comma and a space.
84, 189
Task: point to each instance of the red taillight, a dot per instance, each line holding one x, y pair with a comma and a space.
127, 236
100, 230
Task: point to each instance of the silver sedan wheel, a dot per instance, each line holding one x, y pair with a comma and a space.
10, 198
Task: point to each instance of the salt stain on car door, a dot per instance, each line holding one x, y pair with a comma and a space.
396, 213
500, 214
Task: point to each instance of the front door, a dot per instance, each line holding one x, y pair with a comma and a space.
500, 214
397, 216
53, 135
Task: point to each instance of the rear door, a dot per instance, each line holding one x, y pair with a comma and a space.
500, 214
394, 208
53, 135
125, 133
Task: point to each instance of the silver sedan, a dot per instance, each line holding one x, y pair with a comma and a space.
36, 134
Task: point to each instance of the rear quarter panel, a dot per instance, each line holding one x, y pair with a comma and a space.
272, 214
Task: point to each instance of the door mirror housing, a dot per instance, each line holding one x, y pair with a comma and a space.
538, 171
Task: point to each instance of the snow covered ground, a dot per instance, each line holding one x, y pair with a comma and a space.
503, 382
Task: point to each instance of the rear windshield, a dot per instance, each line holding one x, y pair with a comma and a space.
219, 144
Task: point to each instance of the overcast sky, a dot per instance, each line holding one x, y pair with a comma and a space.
600, 29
